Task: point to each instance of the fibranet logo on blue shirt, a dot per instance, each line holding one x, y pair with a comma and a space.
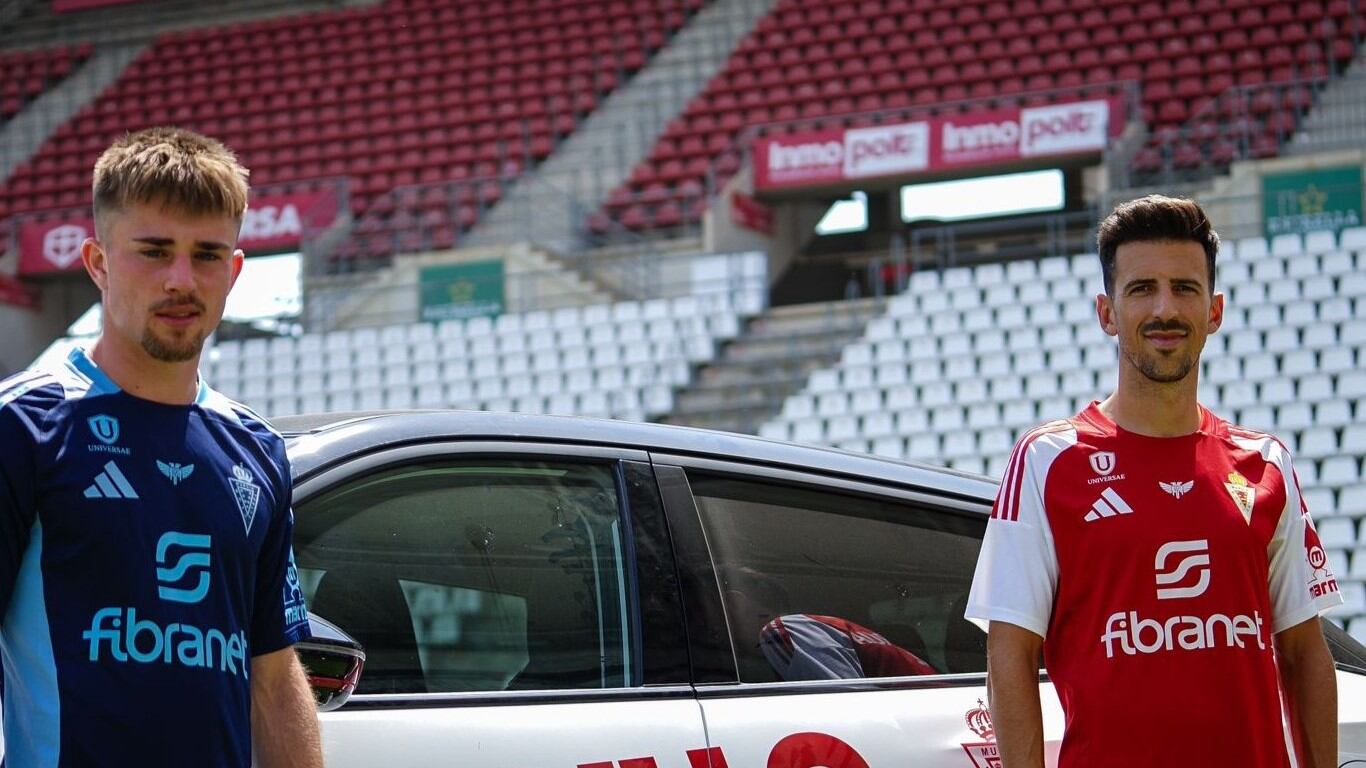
105, 428
183, 576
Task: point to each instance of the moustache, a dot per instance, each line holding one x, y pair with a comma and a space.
172, 305
1159, 326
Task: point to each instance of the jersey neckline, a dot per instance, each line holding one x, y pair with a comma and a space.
101, 384
1092, 415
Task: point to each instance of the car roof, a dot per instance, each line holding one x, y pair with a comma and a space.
320, 440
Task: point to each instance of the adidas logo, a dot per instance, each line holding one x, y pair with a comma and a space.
110, 484
1108, 505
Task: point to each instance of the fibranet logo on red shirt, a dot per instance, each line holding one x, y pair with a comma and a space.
1182, 571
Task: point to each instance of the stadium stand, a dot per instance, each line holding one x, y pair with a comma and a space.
621, 360
26, 74
857, 63
389, 96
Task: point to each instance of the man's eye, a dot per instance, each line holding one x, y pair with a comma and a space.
208, 256
154, 253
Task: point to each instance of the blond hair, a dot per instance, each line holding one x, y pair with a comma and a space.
183, 170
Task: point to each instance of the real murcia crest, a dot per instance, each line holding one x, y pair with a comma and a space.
246, 492
1244, 495
1177, 489
984, 754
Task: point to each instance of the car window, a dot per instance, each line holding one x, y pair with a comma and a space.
821, 585
481, 575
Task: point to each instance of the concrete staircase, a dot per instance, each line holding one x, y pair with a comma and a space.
21, 137
1338, 121
548, 205
770, 360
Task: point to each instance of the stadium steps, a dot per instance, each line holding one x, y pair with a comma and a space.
1336, 122
618, 134
771, 359
37, 25
21, 137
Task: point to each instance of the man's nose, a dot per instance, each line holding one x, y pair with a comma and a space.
1165, 307
179, 276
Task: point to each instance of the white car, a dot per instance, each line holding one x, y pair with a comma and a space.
542, 592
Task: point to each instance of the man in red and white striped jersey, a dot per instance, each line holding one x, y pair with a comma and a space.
1162, 560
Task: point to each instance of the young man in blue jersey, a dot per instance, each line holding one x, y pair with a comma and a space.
147, 584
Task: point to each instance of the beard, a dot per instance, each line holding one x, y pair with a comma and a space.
171, 350
1159, 368
174, 350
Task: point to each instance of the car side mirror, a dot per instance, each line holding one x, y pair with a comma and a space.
332, 660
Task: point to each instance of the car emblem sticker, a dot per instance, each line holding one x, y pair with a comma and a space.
1103, 462
246, 492
984, 754
1243, 495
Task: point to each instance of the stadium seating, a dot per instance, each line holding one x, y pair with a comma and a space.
393, 95
24, 75
849, 59
938, 380
619, 360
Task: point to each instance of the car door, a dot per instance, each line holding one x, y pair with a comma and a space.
517, 602
844, 600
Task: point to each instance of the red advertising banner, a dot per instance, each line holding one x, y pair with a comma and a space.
934, 144
66, 6
273, 223
16, 293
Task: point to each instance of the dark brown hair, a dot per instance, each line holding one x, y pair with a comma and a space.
1154, 218
181, 169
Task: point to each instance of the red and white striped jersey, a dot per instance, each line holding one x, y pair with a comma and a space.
1157, 571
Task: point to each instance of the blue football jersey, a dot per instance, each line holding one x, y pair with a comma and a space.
144, 560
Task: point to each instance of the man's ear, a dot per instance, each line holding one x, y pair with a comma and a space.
1216, 313
96, 262
1105, 313
238, 259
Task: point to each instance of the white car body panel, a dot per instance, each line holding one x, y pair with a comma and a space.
513, 736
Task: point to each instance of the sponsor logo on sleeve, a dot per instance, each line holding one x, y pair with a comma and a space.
1321, 579
295, 610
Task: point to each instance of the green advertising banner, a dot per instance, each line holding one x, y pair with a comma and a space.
1307, 201
450, 291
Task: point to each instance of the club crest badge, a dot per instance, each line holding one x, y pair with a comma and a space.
984, 754
246, 492
1243, 494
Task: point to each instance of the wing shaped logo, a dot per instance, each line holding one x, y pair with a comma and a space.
175, 472
1178, 488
